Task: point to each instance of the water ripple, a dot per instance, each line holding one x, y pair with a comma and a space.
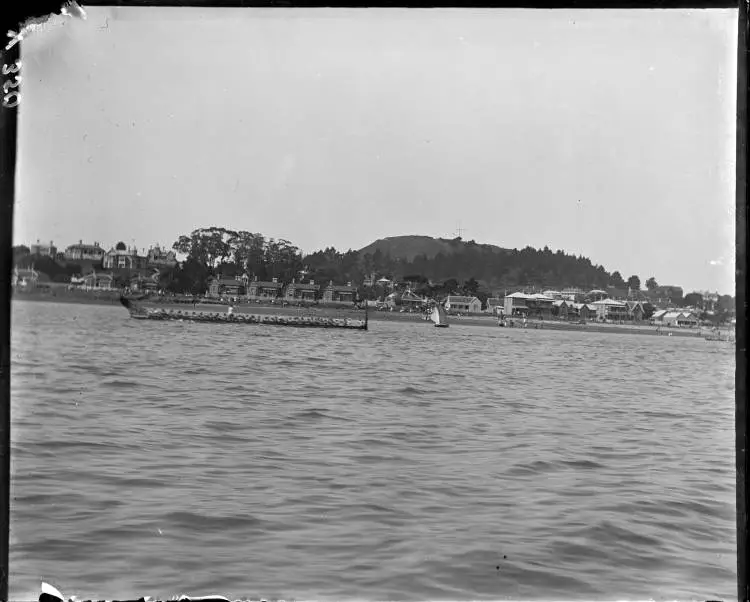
473, 463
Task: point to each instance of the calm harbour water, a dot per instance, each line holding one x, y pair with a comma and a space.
403, 463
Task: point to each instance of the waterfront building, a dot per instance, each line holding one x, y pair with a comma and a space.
597, 295
297, 291
159, 257
515, 304
581, 311
461, 303
95, 281
571, 293
611, 309
411, 299
635, 310
25, 278
226, 287
264, 290
339, 294
385, 283
560, 309
123, 259
145, 281
83, 251
42, 250
675, 317
495, 306
535, 305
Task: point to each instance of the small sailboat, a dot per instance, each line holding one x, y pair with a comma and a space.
439, 317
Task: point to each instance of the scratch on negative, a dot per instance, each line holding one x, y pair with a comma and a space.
69, 9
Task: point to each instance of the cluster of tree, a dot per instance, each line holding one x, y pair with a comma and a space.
470, 269
222, 252
496, 268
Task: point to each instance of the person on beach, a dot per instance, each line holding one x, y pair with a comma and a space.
230, 311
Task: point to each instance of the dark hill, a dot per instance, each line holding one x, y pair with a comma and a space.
409, 247
440, 259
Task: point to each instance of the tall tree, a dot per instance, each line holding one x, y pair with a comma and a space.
693, 300
616, 280
651, 283
471, 286
634, 283
208, 246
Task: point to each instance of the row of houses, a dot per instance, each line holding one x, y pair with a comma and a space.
245, 287
115, 258
519, 305
143, 281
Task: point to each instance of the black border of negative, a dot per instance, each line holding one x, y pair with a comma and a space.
13, 18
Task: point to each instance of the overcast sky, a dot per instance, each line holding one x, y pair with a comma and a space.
605, 133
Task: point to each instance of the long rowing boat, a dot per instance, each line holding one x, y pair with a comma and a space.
140, 311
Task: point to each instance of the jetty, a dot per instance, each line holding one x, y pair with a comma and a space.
140, 310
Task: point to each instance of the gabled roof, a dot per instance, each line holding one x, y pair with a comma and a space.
304, 287
580, 306
344, 288
85, 247
227, 281
265, 284
560, 303
411, 296
460, 299
610, 302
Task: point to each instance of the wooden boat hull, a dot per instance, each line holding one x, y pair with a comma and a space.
140, 312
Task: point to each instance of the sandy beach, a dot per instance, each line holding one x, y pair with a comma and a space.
112, 298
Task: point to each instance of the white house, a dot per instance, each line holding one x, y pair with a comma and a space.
122, 258
609, 309
470, 305
675, 317
84, 252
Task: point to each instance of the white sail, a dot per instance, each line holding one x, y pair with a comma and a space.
439, 316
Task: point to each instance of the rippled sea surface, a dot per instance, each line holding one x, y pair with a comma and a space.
403, 463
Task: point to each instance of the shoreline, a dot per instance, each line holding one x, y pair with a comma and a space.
377, 316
